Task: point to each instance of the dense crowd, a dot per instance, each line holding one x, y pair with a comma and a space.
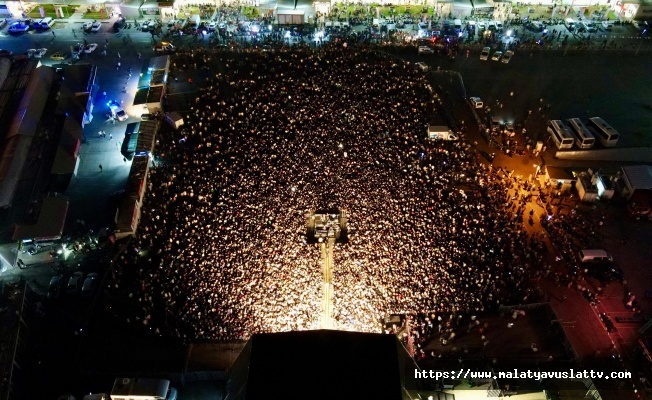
221, 245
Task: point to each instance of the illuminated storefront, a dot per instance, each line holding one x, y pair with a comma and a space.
627, 9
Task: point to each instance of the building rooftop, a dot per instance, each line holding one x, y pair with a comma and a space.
323, 365
639, 176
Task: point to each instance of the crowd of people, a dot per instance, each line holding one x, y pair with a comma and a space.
221, 249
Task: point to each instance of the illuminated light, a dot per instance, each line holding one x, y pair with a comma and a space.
509, 32
287, 34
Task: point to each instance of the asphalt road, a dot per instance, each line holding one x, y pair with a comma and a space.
612, 84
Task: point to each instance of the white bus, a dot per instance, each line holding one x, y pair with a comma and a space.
583, 137
560, 133
607, 135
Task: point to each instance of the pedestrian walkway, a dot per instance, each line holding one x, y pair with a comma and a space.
79, 12
326, 320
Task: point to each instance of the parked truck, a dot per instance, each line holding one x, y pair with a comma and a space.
194, 21
441, 132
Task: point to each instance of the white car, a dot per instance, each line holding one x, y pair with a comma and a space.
426, 50
89, 48
482, 26
117, 112
497, 56
485, 53
87, 26
423, 66
212, 26
508, 56
476, 102
36, 53
96, 26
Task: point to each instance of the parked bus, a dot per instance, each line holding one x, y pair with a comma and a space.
560, 133
583, 138
607, 135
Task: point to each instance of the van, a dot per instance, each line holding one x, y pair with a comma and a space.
457, 24
441, 133
46, 23
194, 21
570, 24
476, 102
594, 256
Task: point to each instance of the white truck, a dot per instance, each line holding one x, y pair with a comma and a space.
194, 21
440, 132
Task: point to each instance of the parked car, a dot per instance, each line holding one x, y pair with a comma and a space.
87, 26
485, 53
90, 283
608, 324
425, 50
164, 47
497, 55
74, 283
507, 56
212, 26
3, 23
476, 102
36, 53
54, 289
96, 26
117, 112
89, 48
59, 56
17, 27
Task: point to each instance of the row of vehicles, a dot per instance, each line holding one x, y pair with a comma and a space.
584, 136
25, 24
493, 26
73, 285
584, 26
94, 26
497, 56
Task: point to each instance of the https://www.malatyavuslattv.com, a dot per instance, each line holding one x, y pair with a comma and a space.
521, 374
